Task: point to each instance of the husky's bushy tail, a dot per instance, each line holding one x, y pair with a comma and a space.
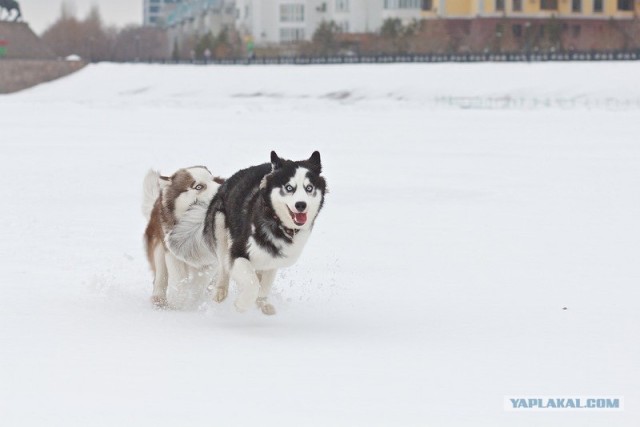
150, 192
187, 241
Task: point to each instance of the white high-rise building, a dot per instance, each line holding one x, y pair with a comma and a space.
364, 16
276, 21
155, 11
279, 21
193, 18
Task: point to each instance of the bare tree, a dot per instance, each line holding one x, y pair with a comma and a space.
93, 41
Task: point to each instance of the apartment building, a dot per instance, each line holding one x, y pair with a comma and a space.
532, 25
578, 9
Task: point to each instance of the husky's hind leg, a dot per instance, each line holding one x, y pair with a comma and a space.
161, 279
180, 282
224, 259
221, 289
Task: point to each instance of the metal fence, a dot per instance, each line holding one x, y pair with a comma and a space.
426, 58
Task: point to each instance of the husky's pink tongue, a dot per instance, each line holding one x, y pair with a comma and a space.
300, 218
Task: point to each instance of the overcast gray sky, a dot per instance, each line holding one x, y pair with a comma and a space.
41, 13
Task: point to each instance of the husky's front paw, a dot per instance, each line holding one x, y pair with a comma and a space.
266, 308
220, 294
159, 302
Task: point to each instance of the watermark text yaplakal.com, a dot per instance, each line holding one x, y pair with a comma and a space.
563, 403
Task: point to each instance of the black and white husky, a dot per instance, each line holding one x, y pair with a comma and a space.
258, 221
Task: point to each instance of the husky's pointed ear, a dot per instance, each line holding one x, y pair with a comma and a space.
315, 162
275, 161
164, 181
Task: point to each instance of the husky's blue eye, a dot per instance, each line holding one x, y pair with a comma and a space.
199, 187
309, 188
289, 188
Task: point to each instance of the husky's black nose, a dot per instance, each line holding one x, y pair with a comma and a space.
301, 206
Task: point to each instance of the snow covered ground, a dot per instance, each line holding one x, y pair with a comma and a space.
469, 205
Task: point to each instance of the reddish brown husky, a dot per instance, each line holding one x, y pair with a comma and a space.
166, 200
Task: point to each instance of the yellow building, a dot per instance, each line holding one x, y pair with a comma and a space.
589, 9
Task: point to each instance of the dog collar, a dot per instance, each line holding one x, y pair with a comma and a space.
289, 232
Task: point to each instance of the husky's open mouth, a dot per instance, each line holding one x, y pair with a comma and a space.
299, 218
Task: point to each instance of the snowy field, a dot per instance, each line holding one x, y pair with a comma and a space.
481, 239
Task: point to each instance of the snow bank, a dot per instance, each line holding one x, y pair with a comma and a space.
569, 85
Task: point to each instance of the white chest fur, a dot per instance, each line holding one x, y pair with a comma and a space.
262, 259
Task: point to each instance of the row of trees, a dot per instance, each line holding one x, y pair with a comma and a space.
92, 40
226, 44
479, 35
